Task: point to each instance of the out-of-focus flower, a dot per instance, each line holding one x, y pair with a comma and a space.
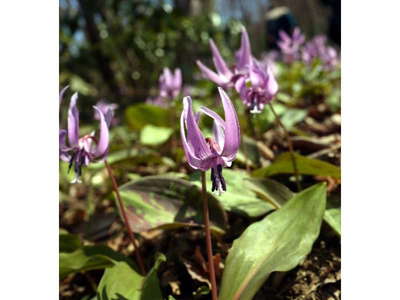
108, 111
216, 152
80, 151
170, 83
258, 88
290, 45
317, 48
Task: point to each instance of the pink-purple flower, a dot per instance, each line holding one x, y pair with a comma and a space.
212, 152
80, 151
254, 82
170, 83
291, 45
317, 48
108, 111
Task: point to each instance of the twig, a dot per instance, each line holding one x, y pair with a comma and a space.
214, 291
121, 205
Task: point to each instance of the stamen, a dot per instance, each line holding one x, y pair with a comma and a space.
218, 181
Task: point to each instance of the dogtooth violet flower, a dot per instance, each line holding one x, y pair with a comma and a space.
108, 111
80, 151
290, 45
170, 83
212, 152
317, 48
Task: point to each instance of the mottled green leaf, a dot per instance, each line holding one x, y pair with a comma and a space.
167, 202
307, 166
239, 196
155, 135
333, 218
271, 191
279, 242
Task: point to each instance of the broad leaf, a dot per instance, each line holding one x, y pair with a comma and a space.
88, 258
279, 242
68, 242
271, 191
333, 218
155, 135
239, 196
308, 166
140, 115
167, 202
123, 283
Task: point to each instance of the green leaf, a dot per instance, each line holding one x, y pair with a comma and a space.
154, 135
293, 116
140, 115
333, 218
248, 153
68, 242
123, 283
166, 202
308, 166
88, 258
271, 191
279, 242
239, 196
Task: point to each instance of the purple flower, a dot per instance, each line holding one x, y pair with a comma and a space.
108, 111
257, 88
317, 48
170, 83
217, 152
226, 77
290, 45
80, 151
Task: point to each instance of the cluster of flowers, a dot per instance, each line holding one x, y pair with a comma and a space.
253, 80
170, 85
294, 48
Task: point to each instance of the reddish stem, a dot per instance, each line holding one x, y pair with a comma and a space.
211, 271
121, 205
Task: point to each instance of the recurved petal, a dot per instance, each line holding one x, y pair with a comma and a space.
73, 121
177, 78
61, 96
191, 158
272, 85
218, 126
194, 136
232, 128
244, 53
219, 62
211, 74
63, 149
102, 145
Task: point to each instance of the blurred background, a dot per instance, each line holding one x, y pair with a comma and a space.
116, 49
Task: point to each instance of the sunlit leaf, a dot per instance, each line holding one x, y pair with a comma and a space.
155, 135
123, 283
308, 166
279, 242
333, 218
140, 115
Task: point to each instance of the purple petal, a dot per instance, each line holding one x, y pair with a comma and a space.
63, 149
61, 96
232, 127
219, 62
177, 79
73, 121
102, 145
195, 137
244, 53
207, 73
272, 86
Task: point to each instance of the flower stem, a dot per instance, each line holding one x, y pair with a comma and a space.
207, 231
290, 145
254, 134
121, 205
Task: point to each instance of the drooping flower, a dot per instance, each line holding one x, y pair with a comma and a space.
290, 45
226, 77
108, 111
80, 151
317, 48
212, 152
258, 88
170, 83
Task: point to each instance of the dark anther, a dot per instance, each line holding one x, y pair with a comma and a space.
217, 179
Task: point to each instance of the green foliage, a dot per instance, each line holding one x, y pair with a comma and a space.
279, 242
140, 115
308, 166
154, 135
122, 282
333, 218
